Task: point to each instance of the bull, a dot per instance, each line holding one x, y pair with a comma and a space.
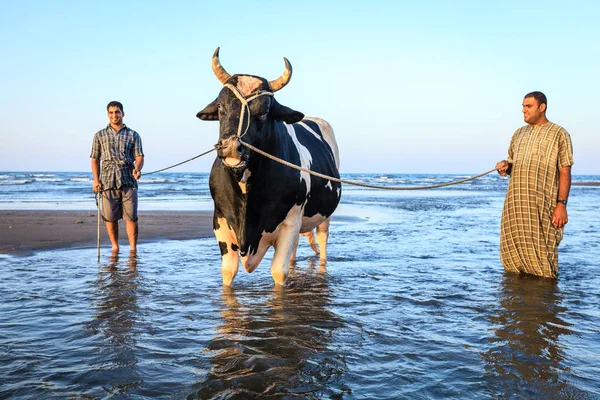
258, 202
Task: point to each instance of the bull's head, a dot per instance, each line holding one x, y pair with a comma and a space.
246, 107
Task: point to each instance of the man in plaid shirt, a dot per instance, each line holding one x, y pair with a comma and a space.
117, 162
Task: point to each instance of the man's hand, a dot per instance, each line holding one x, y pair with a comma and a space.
137, 174
96, 186
502, 167
560, 217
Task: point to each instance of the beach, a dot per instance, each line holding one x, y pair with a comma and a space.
23, 232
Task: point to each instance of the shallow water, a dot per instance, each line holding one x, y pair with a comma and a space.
413, 304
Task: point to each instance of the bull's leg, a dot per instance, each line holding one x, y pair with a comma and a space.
293, 256
229, 250
322, 237
287, 238
281, 259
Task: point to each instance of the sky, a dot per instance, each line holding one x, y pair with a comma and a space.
408, 86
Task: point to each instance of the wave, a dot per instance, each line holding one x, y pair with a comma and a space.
49, 179
160, 181
15, 182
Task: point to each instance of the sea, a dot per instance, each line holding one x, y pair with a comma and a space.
412, 304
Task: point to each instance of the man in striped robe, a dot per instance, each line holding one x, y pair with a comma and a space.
539, 163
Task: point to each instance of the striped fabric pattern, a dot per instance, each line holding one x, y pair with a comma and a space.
528, 240
117, 152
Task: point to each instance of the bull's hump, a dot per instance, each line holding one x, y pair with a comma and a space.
248, 84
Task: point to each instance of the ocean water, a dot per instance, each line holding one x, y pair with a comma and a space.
413, 304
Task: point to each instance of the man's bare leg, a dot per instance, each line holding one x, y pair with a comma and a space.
132, 234
113, 234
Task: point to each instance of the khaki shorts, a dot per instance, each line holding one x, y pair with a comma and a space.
120, 204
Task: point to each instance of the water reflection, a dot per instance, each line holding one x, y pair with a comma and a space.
116, 315
525, 356
275, 344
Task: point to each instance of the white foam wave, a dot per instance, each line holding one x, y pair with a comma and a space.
49, 179
15, 182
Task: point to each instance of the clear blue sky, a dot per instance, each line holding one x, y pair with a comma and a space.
409, 87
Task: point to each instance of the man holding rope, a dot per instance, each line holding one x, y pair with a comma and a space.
117, 162
539, 163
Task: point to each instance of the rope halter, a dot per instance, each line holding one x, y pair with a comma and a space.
245, 106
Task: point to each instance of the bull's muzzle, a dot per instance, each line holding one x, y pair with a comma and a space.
230, 151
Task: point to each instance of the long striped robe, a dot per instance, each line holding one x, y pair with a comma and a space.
528, 240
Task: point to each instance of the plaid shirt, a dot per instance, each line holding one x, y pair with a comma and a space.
117, 152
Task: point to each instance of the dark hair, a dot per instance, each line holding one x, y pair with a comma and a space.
539, 97
115, 104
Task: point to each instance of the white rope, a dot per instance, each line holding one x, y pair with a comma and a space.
331, 178
240, 134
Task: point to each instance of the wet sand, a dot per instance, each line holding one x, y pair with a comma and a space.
25, 232
585, 183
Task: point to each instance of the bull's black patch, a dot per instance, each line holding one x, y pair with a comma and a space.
223, 247
314, 126
234, 247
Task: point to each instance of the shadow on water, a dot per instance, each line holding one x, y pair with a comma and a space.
275, 344
525, 359
115, 316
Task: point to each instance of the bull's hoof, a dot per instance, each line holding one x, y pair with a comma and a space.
227, 278
279, 277
228, 282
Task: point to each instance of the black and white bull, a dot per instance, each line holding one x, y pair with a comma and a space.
259, 202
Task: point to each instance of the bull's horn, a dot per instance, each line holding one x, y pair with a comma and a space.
283, 79
218, 69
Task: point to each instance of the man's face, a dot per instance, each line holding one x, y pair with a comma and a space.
115, 115
532, 111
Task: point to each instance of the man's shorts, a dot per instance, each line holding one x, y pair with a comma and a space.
120, 204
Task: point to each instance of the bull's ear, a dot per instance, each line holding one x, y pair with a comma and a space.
210, 112
286, 114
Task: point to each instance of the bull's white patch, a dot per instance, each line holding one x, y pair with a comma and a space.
244, 180
305, 156
231, 161
224, 233
247, 84
311, 223
327, 132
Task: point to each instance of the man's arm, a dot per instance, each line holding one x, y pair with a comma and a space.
96, 186
560, 217
139, 164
